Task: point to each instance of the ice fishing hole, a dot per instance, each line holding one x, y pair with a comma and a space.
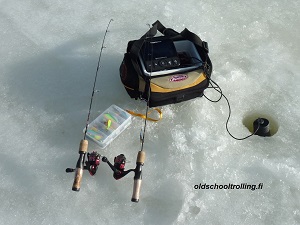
251, 117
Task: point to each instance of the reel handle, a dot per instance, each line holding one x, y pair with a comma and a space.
70, 170
138, 176
83, 147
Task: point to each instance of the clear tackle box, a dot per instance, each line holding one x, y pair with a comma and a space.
106, 127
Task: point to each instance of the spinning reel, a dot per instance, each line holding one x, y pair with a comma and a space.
118, 168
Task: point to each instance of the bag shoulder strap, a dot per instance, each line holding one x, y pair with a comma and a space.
185, 34
136, 46
188, 35
168, 32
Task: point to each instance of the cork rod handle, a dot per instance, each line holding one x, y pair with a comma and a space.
138, 176
83, 147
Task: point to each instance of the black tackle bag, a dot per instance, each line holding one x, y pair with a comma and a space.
166, 69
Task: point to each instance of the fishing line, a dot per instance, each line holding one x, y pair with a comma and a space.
95, 80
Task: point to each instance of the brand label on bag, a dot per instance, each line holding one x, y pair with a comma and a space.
178, 77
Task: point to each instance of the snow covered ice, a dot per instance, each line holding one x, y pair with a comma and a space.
49, 53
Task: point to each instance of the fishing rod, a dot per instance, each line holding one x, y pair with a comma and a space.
140, 158
141, 154
93, 159
83, 147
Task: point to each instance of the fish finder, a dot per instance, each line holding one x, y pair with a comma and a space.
161, 56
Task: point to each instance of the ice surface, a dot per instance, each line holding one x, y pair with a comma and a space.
49, 53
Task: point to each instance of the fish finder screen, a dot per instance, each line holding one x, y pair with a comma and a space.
159, 50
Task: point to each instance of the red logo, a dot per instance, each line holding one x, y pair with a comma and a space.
178, 77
